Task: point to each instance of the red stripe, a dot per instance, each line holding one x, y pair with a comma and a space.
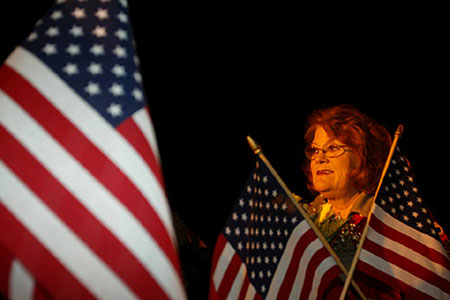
6, 259
40, 262
88, 155
77, 217
409, 292
327, 278
294, 263
39, 293
220, 245
229, 276
409, 242
314, 262
408, 265
244, 288
135, 137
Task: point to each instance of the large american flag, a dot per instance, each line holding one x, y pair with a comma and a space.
402, 247
83, 211
267, 250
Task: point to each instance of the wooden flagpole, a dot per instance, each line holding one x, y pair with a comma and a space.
258, 151
398, 134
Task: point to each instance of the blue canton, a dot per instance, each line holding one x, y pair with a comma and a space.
89, 45
260, 225
400, 197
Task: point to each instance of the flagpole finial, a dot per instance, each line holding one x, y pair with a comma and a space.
399, 130
255, 147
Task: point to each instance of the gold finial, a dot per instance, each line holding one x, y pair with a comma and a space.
399, 130
255, 147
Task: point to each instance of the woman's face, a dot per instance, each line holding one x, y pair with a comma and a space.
331, 176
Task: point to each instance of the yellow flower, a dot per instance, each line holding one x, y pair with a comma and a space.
325, 211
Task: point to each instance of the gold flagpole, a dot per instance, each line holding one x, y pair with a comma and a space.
257, 150
398, 134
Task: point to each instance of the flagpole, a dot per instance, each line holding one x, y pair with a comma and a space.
258, 151
398, 134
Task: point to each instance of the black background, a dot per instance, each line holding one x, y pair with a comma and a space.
214, 74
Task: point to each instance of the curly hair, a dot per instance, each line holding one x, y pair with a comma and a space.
369, 140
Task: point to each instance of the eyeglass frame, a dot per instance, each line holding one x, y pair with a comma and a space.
311, 156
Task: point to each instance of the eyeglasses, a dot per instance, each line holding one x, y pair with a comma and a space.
330, 150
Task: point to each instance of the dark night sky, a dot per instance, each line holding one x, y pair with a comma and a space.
215, 74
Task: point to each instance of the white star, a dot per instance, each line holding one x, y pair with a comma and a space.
76, 31
415, 214
122, 17
116, 89
137, 76
274, 193
102, 14
95, 68
52, 31
79, 13
99, 31
92, 88
405, 217
227, 230
70, 69
420, 225
114, 109
73, 49
118, 70
244, 217
50, 49
121, 34
120, 52
97, 49
237, 231
33, 36
56, 15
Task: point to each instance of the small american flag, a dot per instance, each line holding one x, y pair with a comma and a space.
267, 250
402, 248
83, 211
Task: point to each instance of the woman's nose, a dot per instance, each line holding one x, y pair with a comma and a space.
321, 158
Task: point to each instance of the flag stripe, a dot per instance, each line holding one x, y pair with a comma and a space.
284, 265
93, 126
40, 261
387, 272
413, 267
330, 273
309, 290
421, 243
297, 262
143, 121
59, 239
95, 197
238, 283
229, 276
21, 283
86, 153
244, 288
6, 259
222, 260
405, 249
69, 210
132, 132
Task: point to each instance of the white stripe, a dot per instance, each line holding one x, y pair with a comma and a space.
400, 274
98, 200
222, 264
398, 248
283, 265
21, 283
322, 268
237, 283
251, 292
59, 239
301, 273
407, 230
142, 120
93, 126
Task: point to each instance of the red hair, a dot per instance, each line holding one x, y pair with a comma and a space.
369, 140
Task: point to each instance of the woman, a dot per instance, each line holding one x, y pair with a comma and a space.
346, 154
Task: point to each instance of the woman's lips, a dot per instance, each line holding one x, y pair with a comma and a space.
324, 172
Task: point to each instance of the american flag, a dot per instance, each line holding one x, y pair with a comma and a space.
402, 248
83, 211
267, 250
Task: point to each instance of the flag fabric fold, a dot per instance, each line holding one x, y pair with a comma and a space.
267, 250
403, 248
83, 211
